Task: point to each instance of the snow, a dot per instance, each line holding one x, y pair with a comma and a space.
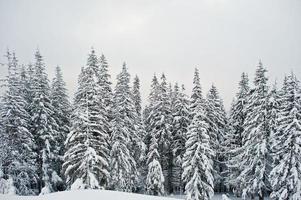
103, 195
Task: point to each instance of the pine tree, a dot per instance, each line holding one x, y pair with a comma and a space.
124, 135
155, 178
43, 127
137, 95
17, 142
161, 126
196, 95
105, 90
180, 125
197, 161
286, 175
61, 114
234, 136
148, 114
139, 147
255, 152
217, 121
86, 163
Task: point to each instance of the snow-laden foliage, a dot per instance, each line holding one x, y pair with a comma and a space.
61, 114
196, 95
155, 179
172, 145
255, 153
139, 148
124, 175
197, 161
44, 127
234, 138
217, 120
17, 159
286, 175
180, 123
86, 156
158, 122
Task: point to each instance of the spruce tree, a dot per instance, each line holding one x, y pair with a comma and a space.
105, 90
124, 136
44, 128
234, 136
161, 126
139, 147
197, 160
196, 95
86, 163
180, 125
217, 120
286, 174
18, 154
155, 179
61, 114
255, 152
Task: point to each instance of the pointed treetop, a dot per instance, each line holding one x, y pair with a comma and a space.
183, 88
196, 78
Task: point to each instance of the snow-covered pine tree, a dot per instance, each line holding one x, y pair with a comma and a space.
155, 179
87, 152
26, 83
161, 127
124, 174
180, 125
286, 175
197, 160
17, 142
196, 95
148, 112
140, 147
234, 136
136, 95
44, 128
217, 121
61, 114
255, 153
105, 90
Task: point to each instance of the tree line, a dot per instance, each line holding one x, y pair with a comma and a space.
176, 144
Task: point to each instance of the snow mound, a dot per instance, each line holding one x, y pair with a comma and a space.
86, 195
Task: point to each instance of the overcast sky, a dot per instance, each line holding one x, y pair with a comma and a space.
222, 38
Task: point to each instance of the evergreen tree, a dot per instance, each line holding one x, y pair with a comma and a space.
286, 175
17, 157
155, 178
140, 147
61, 114
255, 152
234, 136
161, 125
217, 121
196, 95
43, 127
105, 90
197, 161
137, 95
180, 125
124, 136
86, 163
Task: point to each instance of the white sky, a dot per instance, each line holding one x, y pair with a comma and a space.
222, 38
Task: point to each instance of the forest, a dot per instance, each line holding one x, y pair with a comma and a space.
178, 142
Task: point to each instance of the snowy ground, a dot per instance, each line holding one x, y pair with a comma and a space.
96, 195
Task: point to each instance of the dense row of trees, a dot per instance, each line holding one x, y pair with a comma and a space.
176, 144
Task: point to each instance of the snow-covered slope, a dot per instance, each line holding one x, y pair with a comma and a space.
98, 195
87, 195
